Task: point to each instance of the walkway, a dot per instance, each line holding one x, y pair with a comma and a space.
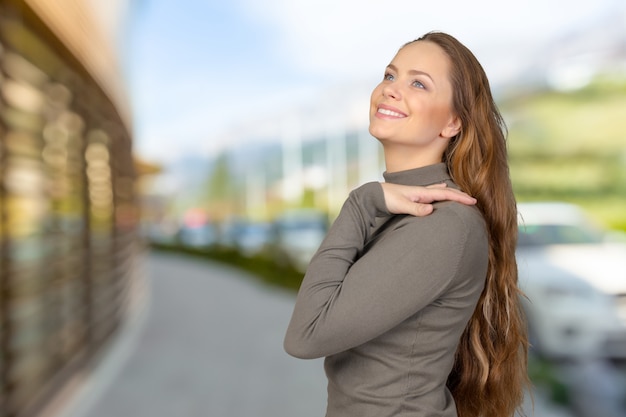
206, 342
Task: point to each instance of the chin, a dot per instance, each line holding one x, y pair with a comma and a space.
377, 132
381, 135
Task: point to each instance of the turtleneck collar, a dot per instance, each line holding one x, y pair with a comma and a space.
428, 175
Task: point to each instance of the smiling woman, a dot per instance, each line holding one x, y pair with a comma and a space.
414, 301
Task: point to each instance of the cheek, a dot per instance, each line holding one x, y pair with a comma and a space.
373, 102
377, 92
437, 112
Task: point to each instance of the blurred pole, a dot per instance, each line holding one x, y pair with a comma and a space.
292, 187
336, 168
369, 166
255, 200
319, 157
623, 176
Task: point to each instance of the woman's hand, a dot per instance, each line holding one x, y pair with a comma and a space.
415, 200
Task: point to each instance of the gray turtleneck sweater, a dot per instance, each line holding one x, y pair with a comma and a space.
386, 298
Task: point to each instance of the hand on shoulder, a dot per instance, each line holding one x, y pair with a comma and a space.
416, 200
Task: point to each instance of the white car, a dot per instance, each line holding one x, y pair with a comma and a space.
574, 280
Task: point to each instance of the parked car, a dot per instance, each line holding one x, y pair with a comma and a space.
298, 234
574, 279
253, 238
198, 236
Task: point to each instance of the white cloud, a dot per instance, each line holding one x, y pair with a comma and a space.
331, 54
354, 36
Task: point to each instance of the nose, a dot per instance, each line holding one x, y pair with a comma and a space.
391, 91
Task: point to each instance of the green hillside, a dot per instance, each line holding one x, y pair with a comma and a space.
572, 147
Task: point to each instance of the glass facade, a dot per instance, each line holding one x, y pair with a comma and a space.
67, 213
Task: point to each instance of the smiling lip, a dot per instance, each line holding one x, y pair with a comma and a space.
388, 112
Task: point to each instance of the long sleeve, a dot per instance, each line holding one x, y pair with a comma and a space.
359, 284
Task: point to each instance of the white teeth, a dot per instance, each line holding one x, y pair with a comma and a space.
390, 113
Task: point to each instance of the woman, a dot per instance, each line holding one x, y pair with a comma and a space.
419, 315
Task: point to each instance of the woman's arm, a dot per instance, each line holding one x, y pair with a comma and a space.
347, 298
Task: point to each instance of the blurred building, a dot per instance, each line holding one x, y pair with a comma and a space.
68, 211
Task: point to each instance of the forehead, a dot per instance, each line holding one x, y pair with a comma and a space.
423, 56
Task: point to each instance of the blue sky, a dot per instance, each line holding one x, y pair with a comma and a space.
201, 73
198, 67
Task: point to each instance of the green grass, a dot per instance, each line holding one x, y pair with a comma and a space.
572, 147
544, 377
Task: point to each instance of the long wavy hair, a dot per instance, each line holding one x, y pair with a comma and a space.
489, 378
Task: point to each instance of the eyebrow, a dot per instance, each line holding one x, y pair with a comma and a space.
413, 72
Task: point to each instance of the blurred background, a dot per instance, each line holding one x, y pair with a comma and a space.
167, 169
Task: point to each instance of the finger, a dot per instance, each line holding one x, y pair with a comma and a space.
437, 194
443, 185
420, 209
438, 185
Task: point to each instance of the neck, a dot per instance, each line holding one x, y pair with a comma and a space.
403, 158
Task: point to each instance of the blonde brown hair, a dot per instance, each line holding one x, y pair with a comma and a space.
489, 377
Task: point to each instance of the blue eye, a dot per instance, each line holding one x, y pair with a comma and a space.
388, 77
417, 84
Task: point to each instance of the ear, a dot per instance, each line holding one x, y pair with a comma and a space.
452, 128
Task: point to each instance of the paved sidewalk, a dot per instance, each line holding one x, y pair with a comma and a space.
206, 341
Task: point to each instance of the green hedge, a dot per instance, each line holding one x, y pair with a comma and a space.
264, 266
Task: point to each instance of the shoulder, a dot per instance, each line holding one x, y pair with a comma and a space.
456, 218
451, 243
453, 227
458, 213
463, 227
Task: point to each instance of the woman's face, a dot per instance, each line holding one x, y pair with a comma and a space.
412, 106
